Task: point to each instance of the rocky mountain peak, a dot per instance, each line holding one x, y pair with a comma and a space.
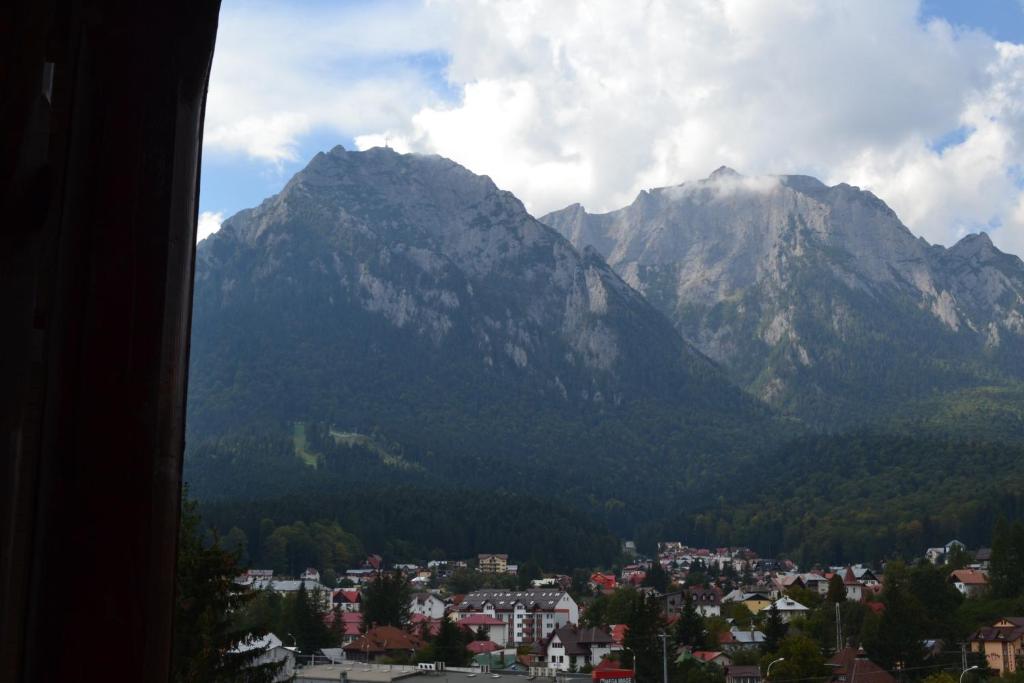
724, 172
774, 276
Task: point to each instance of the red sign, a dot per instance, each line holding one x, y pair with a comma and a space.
614, 675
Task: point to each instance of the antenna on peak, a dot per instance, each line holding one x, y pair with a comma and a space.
387, 142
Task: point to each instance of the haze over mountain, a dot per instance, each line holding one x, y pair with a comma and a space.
818, 299
404, 296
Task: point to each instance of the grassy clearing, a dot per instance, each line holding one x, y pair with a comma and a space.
387, 457
299, 440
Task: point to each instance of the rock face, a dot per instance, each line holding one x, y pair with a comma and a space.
406, 294
817, 299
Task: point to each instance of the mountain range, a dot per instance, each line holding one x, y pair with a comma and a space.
404, 296
395, 318
816, 299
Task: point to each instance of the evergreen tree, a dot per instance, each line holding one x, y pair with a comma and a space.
802, 660
204, 633
308, 627
1002, 570
645, 624
690, 629
939, 599
898, 641
774, 629
386, 601
448, 646
836, 589
527, 573
657, 577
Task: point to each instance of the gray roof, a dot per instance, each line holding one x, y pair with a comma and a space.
267, 642
286, 585
544, 598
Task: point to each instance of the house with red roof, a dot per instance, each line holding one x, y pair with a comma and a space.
383, 641
851, 665
854, 588
708, 657
602, 580
972, 583
494, 628
479, 647
346, 599
351, 623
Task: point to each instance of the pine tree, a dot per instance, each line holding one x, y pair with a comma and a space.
657, 577
206, 597
689, 629
774, 629
898, 641
386, 601
836, 589
644, 625
308, 627
1002, 570
448, 646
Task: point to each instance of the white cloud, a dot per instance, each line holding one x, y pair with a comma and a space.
594, 100
282, 71
209, 223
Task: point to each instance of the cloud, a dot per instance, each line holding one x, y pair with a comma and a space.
282, 71
593, 101
209, 223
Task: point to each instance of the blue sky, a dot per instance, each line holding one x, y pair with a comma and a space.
528, 97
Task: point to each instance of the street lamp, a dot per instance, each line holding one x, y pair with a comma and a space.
768, 671
664, 656
965, 672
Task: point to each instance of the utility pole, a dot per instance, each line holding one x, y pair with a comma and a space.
839, 629
963, 656
664, 657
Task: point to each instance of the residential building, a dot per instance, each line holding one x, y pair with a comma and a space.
530, 615
851, 665
854, 588
971, 582
707, 600
736, 639
496, 629
311, 574
707, 657
347, 600
383, 641
427, 604
571, 648
273, 651
1002, 644
815, 582
789, 608
491, 563
742, 674
351, 623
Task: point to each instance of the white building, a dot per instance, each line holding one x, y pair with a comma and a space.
428, 605
788, 608
571, 648
495, 628
275, 651
530, 615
